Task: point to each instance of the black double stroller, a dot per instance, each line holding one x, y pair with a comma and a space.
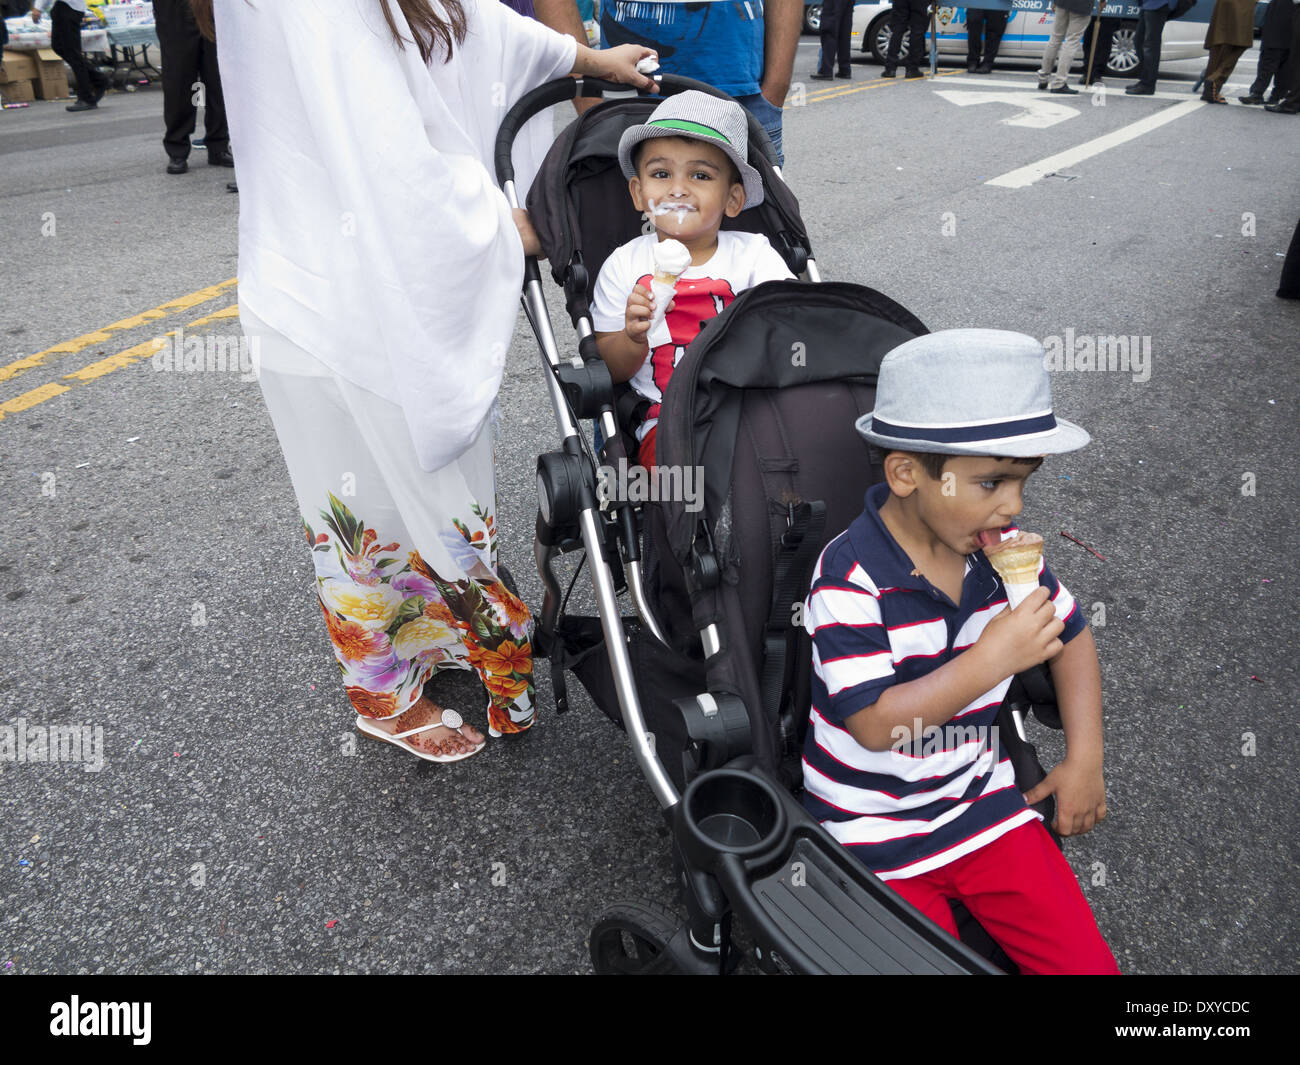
697, 651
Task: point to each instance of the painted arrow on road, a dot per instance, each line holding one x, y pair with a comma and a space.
1036, 113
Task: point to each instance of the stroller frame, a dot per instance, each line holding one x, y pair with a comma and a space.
743, 843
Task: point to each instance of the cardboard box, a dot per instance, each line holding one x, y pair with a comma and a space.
17, 66
51, 76
17, 92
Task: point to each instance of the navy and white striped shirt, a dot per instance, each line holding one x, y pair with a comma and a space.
873, 624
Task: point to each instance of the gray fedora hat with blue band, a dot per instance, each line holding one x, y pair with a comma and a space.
968, 392
698, 116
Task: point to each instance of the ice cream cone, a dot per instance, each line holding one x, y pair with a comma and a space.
671, 261
1017, 561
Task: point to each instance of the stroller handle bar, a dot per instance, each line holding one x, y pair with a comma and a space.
554, 92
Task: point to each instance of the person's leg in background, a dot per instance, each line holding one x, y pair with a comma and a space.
1288, 80
1095, 70
1059, 23
1075, 24
844, 42
65, 39
1270, 62
976, 19
829, 36
181, 47
1222, 62
897, 25
918, 21
216, 131
1153, 21
995, 25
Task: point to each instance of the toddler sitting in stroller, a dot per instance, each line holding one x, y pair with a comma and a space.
687, 169
914, 641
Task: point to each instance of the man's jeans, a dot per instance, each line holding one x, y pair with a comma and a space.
769, 117
1151, 27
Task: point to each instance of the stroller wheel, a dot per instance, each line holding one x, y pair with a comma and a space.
631, 939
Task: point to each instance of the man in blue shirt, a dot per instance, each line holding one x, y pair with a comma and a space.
1151, 28
734, 45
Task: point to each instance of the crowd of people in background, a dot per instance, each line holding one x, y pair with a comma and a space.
1075, 23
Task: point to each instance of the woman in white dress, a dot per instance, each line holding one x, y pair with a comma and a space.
379, 276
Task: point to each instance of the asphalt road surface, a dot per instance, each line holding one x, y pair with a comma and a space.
154, 587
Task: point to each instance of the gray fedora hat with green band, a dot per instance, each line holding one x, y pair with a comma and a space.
698, 116
968, 392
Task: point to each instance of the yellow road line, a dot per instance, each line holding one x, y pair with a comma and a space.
115, 362
878, 83
226, 312
129, 357
30, 399
100, 336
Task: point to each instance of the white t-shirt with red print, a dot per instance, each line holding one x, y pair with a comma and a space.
741, 261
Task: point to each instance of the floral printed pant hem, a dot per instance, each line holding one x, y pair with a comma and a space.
405, 559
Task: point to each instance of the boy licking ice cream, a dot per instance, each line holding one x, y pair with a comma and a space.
920, 614
687, 171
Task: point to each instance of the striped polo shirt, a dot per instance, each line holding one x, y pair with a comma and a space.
949, 790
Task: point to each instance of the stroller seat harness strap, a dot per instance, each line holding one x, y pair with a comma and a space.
796, 551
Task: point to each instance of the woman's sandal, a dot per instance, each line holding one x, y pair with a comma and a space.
450, 720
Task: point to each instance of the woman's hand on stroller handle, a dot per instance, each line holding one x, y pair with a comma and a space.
532, 245
616, 64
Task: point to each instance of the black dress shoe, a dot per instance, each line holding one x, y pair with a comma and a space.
913, 72
818, 76
984, 68
845, 74
81, 105
972, 65
1138, 89
220, 157
1251, 98
1283, 109
177, 166
1063, 90
889, 72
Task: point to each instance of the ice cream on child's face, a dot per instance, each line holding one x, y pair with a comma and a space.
686, 187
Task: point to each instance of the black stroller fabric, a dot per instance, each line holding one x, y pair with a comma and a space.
764, 401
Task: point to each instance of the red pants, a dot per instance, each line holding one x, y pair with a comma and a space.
1023, 891
645, 454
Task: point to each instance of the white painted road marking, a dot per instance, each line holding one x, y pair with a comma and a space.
1027, 175
1114, 87
1036, 113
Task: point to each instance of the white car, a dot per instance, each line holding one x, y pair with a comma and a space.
1029, 30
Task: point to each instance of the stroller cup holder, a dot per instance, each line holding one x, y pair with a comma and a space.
809, 905
729, 812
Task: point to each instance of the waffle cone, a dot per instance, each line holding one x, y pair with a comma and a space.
1017, 559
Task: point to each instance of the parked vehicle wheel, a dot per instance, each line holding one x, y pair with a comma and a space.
631, 940
812, 18
876, 40
1123, 52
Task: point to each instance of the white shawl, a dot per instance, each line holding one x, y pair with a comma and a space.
371, 229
